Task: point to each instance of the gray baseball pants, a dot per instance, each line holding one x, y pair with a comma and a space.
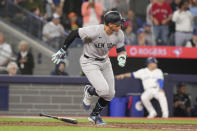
100, 75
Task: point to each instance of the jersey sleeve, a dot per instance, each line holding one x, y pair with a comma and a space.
138, 74
120, 42
160, 74
88, 32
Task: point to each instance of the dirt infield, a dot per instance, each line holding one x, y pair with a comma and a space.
173, 127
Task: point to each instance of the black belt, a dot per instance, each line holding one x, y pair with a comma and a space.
97, 59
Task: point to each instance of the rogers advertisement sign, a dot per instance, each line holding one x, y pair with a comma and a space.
159, 52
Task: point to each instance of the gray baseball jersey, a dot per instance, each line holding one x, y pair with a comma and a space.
100, 73
100, 43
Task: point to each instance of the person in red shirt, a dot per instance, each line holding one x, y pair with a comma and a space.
161, 14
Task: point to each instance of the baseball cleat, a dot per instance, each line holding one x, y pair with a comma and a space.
96, 119
87, 98
165, 115
152, 115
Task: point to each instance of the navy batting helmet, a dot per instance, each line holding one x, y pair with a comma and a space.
113, 17
151, 60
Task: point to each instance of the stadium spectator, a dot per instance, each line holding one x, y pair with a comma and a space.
36, 12
132, 18
161, 14
73, 22
53, 32
194, 109
182, 104
35, 22
122, 6
60, 70
2, 7
175, 5
129, 35
192, 3
193, 41
16, 13
150, 37
5, 51
91, 12
12, 69
193, 10
58, 10
25, 59
148, 9
183, 20
141, 39
51, 5
29, 4
107, 4
73, 6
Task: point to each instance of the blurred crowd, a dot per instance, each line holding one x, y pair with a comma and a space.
24, 63
167, 22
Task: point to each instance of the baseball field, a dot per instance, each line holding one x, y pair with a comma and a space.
113, 124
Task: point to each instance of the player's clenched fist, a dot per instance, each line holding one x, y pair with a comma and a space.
59, 56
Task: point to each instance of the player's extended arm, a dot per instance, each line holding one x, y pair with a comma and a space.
61, 54
161, 84
122, 76
122, 56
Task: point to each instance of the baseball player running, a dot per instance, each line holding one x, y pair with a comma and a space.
152, 80
94, 61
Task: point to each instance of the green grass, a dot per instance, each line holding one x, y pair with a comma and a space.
42, 128
144, 121
64, 128
153, 121
28, 120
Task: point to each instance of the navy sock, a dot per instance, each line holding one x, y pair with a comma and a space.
99, 106
103, 102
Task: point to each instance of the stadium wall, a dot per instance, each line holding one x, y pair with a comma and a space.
33, 95
63, 95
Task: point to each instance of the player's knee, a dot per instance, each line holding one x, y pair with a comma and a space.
108, 95
111, 95
103, 92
